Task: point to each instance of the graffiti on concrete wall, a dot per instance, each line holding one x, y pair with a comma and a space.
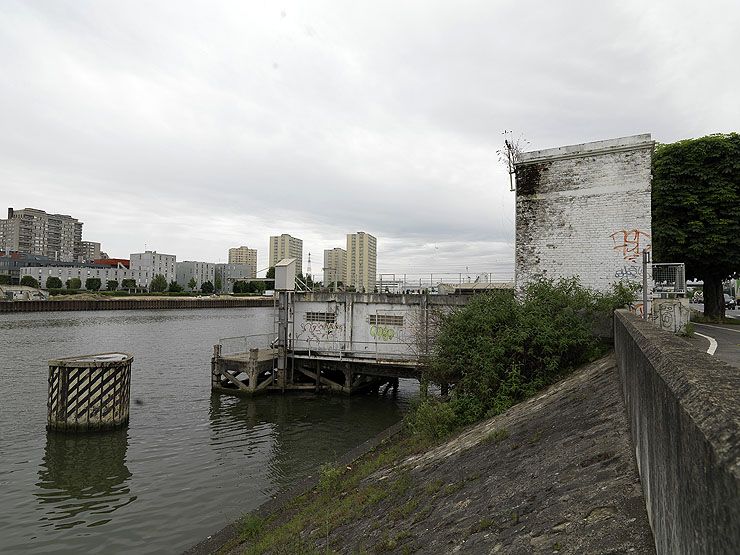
384, 333
630, 243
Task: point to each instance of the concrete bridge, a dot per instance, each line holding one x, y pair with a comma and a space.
344, 342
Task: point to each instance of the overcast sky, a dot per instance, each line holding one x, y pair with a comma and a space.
191, 127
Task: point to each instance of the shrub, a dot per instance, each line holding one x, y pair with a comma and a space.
53, 282
74, 283
497, 350
4, 279
29, 281
92, 284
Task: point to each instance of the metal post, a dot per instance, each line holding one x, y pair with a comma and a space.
645, 260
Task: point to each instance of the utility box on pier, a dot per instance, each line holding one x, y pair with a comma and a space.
285, 275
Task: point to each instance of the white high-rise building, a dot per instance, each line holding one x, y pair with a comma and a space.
152, 263
244, 255
285, 246
360, 271
335, 265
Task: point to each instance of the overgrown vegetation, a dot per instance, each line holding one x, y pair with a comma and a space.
498, 350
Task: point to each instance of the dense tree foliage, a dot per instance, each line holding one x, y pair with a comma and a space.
53, 282
696, 210
128, 283
29, 281
158, 284
74, 283
4, 279
218, 282
497, 349
111, 284
92, 284
207, 288
174, 287
192, 283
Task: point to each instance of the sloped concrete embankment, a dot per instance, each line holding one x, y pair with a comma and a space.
684, 414
553, 474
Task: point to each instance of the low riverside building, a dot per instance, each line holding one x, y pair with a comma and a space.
83, 272
12, 263
201, 272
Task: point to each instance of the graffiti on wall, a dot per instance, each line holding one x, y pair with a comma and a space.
383, 333
630, 243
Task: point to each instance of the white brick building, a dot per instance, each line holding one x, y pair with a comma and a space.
584, 210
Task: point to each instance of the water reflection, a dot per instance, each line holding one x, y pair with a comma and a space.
290, 436
83, 478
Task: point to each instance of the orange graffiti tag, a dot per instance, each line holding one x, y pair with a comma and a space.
631, 243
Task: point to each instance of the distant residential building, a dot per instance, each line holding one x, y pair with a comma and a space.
200, 271
335, 265
12, 263
244, 255
83, 272
152, 263
33, 231
360, 271
285, 246
113, 262
231, 273
90, 251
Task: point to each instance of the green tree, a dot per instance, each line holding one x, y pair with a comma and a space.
111, 284
696, 211
53, 282
192, 283
270, 273
29, 282
74, 283
92, 284
128, 283
207, 288
158, 284
175, 287
218, 283
4, 279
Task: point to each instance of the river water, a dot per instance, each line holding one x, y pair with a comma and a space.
188, 463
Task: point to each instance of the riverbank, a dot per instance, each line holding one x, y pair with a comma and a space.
553, 474
132, 303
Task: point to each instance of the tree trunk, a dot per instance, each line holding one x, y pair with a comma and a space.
714, 299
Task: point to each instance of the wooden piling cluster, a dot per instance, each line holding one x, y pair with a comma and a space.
256, 372
89, 393
130, 304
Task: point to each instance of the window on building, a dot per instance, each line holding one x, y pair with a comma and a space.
385, 320
328, 317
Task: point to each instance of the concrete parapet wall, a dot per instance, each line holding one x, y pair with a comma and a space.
684, 412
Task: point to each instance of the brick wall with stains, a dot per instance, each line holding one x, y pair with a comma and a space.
584, 210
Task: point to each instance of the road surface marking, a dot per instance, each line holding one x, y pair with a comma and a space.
718, 327
712, 342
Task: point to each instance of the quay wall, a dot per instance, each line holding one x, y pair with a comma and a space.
130, 304
683, 407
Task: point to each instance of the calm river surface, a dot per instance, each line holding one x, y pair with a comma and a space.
189, 462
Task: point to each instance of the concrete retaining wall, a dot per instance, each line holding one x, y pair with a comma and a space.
684, 411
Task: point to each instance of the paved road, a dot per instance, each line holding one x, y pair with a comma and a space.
727, 338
